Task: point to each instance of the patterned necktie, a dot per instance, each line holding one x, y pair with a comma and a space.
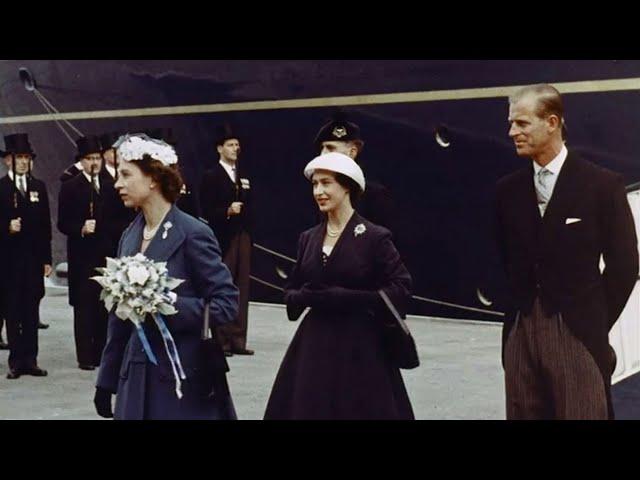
21, 186
543, 188
95, 184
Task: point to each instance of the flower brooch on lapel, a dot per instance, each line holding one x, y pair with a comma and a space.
166, 226
359, 230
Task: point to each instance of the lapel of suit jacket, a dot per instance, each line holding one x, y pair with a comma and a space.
312, 259
162, 247
526, 202
133, 238
344, 243
229, 184
105, 179
8, 188
531, 197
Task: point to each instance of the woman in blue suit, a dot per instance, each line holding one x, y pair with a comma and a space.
149, 180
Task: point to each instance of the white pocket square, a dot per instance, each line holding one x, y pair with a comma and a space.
569, 221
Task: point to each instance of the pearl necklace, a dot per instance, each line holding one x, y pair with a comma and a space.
148, 236
333, 234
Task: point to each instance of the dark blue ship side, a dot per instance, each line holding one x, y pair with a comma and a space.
442, 184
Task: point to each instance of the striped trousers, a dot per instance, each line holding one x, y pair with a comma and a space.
549, 374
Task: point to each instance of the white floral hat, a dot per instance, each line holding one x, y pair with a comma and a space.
339, 163
132, 147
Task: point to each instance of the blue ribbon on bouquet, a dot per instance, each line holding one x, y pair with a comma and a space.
172, 352
145, 344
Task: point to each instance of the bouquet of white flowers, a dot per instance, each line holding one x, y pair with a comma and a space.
139, 287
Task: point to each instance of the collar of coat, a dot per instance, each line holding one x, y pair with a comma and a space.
161, 247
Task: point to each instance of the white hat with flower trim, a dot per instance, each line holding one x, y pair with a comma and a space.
133, 147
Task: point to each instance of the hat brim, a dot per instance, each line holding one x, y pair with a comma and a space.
220, 142
4, 154
81, 156
337, 163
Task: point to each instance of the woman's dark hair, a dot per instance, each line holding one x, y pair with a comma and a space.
167, 177
350, 184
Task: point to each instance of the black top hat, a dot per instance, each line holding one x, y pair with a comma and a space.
164, 134
17, 143
338, 129
107, 140
87, 145
225, 132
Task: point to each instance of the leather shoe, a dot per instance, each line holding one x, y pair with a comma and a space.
13, 374
3, 345
35, 372
82, 366
43, 326
242, 351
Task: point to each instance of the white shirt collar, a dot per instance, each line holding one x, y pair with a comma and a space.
555, 165
20, 177
111, 170
229, 169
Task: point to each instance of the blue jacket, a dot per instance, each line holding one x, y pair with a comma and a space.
144, 390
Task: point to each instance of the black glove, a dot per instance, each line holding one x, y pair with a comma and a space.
102, 401
322, 296
303, 297
337, 297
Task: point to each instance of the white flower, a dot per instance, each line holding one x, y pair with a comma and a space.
359, 230
140, 288
153, 275
137, 286
137, 274
134, 147
123, 311
138, 257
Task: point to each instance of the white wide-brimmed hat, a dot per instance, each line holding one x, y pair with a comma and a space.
339, 163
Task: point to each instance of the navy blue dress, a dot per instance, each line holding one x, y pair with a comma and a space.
144, 390
336, 366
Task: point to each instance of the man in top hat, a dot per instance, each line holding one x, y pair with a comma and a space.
71, 171
342, 136
121, 216
86, 217
225, 202
187, 201
108, 155
25, 235
109, 161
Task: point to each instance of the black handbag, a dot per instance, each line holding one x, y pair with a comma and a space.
211, 373
399, 344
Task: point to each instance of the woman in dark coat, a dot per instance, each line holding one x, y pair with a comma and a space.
336, 366
163, 233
